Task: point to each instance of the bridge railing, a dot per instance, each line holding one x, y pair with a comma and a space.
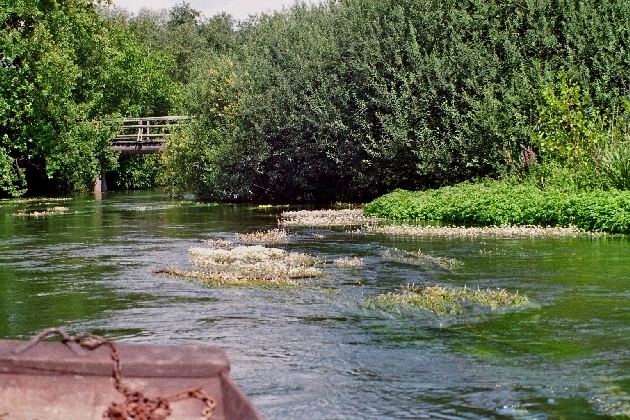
145, 135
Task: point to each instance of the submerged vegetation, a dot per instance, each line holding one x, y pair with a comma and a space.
401, 202
421, 258
506, 231
348, 262
443, 300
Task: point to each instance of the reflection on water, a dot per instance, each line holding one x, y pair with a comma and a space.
316, 352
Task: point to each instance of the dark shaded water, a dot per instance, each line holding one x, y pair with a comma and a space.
316, 352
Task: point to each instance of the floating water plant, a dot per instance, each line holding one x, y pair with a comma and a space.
325, 218
219, 243
368, 224
347, 262
230, 279
43, 200
445, 300
249, 265
341, 206
272, 236
473, 232
420, 257
46, 212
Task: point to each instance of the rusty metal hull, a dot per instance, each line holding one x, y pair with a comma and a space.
50, 381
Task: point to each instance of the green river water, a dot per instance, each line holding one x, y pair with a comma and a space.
316, 351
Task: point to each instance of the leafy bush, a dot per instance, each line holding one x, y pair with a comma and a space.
614, 165
205, 157
82, 154
570, 128
63, 63
138, 171
345, 101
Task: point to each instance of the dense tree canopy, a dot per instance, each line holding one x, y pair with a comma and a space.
64, 63
342, 100
349, 99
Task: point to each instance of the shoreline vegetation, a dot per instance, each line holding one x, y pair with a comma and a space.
318, 103
359, 221
336, 101
504, 209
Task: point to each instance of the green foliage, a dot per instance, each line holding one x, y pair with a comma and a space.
570, 129
336, 101
132, 82
182, 34
11, 175
40, 46
62, 63
503, 203
614, 165
203, 157
445, 300
87, 144
347, 100
581, 147
138, 171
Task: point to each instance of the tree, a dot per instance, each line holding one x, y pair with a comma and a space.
41, 44
63, 63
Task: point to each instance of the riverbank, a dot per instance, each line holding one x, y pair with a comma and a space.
500, 203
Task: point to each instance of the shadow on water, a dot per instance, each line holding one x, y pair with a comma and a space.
317, 351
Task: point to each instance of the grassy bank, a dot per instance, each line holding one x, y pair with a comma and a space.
503, 203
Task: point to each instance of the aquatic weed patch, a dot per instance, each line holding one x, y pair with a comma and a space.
272, 236
249, 266
46, 212
500, 203
442, 300
230, 279
508, 231
419, 257
348, 262
43, 200
256, 261
219, 243
325, 218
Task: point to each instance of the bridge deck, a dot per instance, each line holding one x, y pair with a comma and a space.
145, 135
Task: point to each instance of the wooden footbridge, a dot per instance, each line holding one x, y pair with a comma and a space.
141, 136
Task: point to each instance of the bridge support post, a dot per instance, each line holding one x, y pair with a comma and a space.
100, 185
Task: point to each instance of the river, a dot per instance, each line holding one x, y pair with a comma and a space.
316, 351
